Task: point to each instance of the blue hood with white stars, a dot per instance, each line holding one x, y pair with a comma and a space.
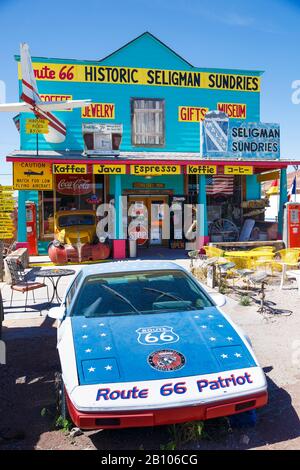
122, 348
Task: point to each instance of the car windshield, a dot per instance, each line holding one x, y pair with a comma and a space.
76, 219
139, 293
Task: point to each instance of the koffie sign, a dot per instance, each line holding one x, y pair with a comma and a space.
143, 76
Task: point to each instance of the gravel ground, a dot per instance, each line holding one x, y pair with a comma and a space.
27, 396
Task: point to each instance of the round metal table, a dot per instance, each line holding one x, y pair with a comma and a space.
55, 275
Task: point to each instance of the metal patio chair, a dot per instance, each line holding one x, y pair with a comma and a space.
19, 282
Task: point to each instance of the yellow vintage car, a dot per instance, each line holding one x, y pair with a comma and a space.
75, 238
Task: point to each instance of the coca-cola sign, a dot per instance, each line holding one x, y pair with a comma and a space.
74, 184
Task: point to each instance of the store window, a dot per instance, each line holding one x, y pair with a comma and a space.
223, 199
148, 122
71, 193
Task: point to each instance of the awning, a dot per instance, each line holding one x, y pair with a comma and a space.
150, 158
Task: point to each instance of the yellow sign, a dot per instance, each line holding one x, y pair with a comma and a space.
37, 126
6, 207
69, 169
109, 169
6, 226
201, 169
152, 170
51, 97
6, 188
238, 170
6, 236
270, 176
32, 175
233, 110
85, 73
98, 111
191, 113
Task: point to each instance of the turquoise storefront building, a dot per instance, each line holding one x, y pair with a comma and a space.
141, 138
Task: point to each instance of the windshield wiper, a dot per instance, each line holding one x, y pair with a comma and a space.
117, 294
172, 296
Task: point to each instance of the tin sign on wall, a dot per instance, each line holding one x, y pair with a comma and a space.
238, 138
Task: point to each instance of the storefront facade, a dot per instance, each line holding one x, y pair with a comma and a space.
140, 138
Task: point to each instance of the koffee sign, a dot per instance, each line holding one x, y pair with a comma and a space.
69, 169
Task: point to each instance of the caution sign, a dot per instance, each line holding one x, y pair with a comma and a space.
238, 170
32, 175
37, 126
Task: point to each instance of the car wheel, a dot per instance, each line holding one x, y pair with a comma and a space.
61, 402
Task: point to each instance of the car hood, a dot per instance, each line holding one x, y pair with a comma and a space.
156, 346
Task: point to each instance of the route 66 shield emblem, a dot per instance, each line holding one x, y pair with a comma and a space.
157, 335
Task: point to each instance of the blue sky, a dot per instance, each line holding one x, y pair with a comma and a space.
262, 35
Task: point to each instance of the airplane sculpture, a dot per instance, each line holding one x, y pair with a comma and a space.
32, 103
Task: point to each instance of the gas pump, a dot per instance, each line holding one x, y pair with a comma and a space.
31, 227
291, 225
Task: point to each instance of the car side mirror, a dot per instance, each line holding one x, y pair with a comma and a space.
219, 299
57, 313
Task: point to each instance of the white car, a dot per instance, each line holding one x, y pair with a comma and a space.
143, 344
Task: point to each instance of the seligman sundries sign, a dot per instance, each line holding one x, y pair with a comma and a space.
225, 138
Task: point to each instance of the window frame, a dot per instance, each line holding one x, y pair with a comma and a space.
133, 133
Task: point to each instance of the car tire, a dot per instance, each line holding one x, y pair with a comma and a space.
61, 402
